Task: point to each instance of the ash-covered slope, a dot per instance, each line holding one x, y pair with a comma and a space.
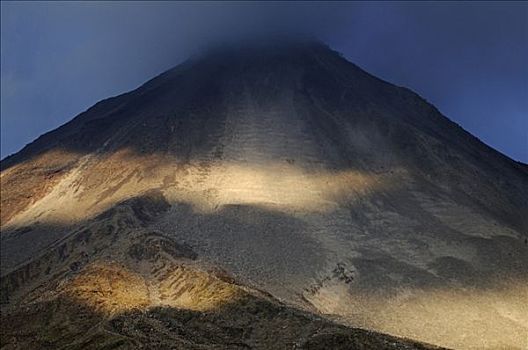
302, 176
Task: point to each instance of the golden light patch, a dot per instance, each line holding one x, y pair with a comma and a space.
188, 288
101, 181
110, 289
281, 186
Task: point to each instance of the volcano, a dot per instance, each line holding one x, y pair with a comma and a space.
263, 197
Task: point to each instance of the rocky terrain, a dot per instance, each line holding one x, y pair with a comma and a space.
263, 197
117, 284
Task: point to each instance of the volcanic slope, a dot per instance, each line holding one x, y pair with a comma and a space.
303, 178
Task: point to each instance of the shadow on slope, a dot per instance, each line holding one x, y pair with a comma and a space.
382, 293
114, 283
115, 311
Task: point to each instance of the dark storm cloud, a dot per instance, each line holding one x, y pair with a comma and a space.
467, 58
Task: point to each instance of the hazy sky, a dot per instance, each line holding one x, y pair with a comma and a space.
469, 59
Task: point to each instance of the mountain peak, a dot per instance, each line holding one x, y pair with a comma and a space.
267, 43
282, 167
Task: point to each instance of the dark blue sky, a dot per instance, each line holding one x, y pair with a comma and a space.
467, 58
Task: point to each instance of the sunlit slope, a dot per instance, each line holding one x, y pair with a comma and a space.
302, 176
